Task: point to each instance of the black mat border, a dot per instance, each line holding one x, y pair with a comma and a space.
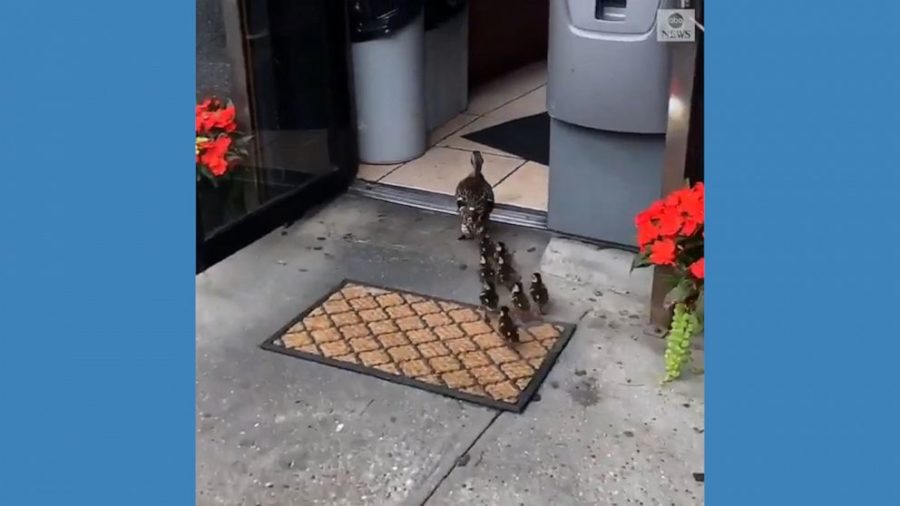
524, 398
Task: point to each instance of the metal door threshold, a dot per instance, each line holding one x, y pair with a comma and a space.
440, 203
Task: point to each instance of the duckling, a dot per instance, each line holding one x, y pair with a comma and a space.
485, 272
519, 299
507, 327
487, 246
474, 200
506, 276
538, 292
489, 299
500, 251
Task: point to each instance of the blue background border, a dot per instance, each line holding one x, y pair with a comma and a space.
97, 261
803, 179
97, 253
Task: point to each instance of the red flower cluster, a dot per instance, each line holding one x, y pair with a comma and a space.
212, 114
213, 153
665, 227
215, 125
697, 269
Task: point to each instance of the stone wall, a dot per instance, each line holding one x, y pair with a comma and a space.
213, 66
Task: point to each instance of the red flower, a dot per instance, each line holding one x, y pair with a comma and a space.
217, 165
699, 188
210, 104
692, 205
670, 221
211, 114
222, 118
650, 214
208, 120
690, 227
673, 199
647, 233
199, 122
662, 252
212, 155
697, 269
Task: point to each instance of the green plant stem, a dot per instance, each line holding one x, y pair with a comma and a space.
678, 341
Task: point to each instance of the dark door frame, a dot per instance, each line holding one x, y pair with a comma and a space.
341, 126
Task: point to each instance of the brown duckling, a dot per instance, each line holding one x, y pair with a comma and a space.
486, 273
519, 299
538, 292
500, 251
489, 299
506, 276
487, 245
507, 327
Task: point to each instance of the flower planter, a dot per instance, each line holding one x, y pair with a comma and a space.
226, 201
660, 314
670, 236
222, 195
211, 205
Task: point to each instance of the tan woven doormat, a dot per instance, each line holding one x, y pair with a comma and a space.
425, 342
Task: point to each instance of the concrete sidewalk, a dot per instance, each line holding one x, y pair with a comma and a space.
273, 429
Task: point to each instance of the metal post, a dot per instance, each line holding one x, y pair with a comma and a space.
681, 89
233, 14
234, 41
201, 240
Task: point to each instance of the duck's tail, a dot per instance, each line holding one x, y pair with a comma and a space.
477, 162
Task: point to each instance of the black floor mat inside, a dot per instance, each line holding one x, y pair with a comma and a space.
527, 137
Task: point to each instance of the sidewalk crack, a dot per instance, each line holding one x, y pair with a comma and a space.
455, 465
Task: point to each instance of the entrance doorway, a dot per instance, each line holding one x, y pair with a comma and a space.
505, 120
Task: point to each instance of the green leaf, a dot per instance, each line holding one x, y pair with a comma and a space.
672, 278
209, 175
682, 291
698, 307
640, 260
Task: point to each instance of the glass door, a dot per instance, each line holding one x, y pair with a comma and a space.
284, 64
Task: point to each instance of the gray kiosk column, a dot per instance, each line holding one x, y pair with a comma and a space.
446, 60
607, 96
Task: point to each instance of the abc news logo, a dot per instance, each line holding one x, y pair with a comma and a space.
675, 25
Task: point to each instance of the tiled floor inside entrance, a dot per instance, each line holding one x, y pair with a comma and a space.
516, 181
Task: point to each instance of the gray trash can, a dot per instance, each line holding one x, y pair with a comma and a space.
607, 97
446, 60
387, 43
